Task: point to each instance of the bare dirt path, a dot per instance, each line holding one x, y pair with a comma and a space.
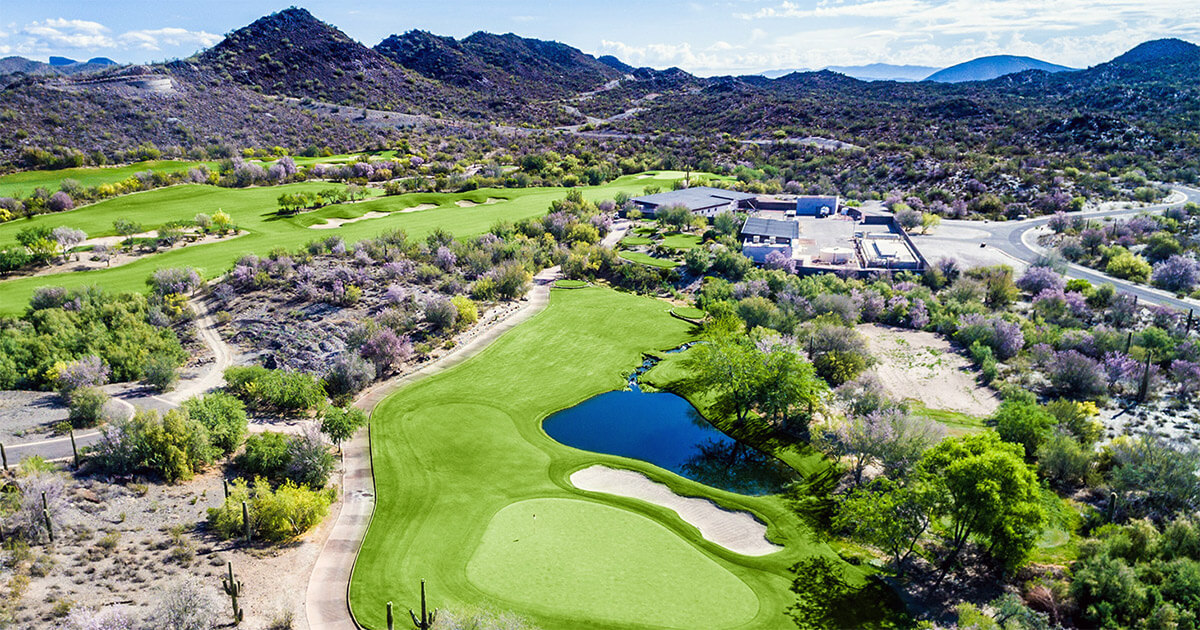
327, 604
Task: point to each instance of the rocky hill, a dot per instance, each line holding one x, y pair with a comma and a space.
508, 65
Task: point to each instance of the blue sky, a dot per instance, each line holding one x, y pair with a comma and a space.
731, 36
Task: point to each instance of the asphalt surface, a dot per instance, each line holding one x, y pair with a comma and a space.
1016, 238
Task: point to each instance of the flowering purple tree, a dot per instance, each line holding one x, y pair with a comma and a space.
1177, 273
918, 314
386, 349
445, 258
1186, 375
1059, 222
181, 280
777, 260
1038, 279
88, 371
1122, 372
59, 202
888, 436
67, 238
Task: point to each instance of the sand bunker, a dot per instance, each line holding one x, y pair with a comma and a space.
330, 224
492, 200
465, 203
736, 531
915, 364
420, 207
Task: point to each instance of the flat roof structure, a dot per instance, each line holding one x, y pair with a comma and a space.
772, 228
698, 199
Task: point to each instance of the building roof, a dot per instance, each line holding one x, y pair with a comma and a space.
773, 228
813, 204
699, 198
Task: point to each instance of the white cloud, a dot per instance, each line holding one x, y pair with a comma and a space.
154, 39
61, 35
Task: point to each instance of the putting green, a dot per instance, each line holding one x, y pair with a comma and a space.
543, 552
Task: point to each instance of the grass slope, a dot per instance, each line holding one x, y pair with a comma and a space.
646, 259
254, 210
23, 182
452, 452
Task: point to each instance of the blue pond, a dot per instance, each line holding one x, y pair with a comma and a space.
665, 430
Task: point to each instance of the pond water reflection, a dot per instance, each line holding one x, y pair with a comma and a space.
665, 430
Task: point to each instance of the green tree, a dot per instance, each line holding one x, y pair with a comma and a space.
223, 415
1024, 423
889, 516
989, 493
340, 424
1129, 266
127, 228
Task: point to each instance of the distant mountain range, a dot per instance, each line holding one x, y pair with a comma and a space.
991, 67
1145, 98
870, 72
57, 65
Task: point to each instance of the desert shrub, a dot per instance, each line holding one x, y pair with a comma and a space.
187, 605
440, 313
160, 373
1177, 273
88, 371
1038, 279
838, 367
175, 280
1064, 462
266, 455
348, 376
21, 512
1129, 266
304, 458
275, 514
467, 311
512, 280
85, 407
1076, 375
385, 349
174, 445
282, 390
223, 415
116, 617
1154, 476
310, 463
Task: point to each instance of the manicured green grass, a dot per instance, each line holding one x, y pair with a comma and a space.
634, 241
690, 312
570, 284
681, 242
540, 553
452, 452
646, 259
22, 184
253, 209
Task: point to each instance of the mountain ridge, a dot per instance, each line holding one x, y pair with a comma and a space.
992, 67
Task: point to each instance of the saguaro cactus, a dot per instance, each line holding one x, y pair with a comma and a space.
49, 525
4, 456
74, 449
233, 588
425, 621
391, 620
246, 521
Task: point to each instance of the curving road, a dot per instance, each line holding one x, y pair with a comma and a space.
209, 378
1018, 239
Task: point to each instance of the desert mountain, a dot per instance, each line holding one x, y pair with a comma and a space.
987, 68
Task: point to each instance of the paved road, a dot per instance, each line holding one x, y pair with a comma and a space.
1018, 239
132, 397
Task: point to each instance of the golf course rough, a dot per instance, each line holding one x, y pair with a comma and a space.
461, 465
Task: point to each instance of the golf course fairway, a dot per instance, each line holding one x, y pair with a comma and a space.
472, 495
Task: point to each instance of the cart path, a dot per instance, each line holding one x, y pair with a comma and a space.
327, 603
